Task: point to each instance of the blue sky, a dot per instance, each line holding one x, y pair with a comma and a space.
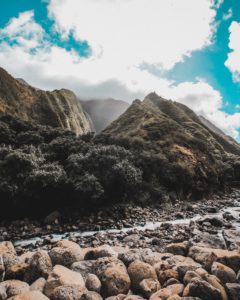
86, 46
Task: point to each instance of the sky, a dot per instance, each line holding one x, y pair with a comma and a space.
185, 50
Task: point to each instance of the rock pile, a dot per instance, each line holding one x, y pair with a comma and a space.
69, 272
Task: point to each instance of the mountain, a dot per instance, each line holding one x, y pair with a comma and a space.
103, 112
177, 146
59, 108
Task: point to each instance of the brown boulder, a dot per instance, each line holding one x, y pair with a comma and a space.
138, 271
224, 273
66, 253
34, 295
93, 283
202, 289
63, 276
149, 286
14, 287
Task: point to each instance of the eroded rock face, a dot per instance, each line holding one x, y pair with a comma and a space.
59, 108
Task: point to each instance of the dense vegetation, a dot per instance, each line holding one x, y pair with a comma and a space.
44, 168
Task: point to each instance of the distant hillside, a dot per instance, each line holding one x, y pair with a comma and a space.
179, 141
103, 112
59, 108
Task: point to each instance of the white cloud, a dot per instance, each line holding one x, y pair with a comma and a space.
23, 31
233, 60
123, 35
127, 33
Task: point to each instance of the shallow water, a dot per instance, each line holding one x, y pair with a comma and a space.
233, 210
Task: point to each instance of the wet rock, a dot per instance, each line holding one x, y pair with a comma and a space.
202, 289
38, 285
34, 295
149, 286
14, 287
138, 271
93, 283
233, 291
66, 253
40, 265
224, 273
177, 248
63, 276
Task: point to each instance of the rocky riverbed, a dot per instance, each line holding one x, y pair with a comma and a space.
187, 251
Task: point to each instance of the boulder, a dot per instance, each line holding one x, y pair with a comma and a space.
206, 256
93, 283
66, 292
138, 271
162, 294
90, 295
133, 297
16, 271
177, 248
215, 282
83, 267
189, 276
33, 295
165, 275
40, 265
66, 253
14, 287
232, 238
38, 285
202, 289
102, 251
224, 273
134, 254
149, 286
63, 276
113, 276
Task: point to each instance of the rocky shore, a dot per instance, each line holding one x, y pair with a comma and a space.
192, 253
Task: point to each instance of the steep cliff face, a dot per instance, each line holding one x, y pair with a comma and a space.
59, 108
103, 112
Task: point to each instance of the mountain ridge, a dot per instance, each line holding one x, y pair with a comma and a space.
58, 108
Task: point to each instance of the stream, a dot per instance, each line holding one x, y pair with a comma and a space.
231, 210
